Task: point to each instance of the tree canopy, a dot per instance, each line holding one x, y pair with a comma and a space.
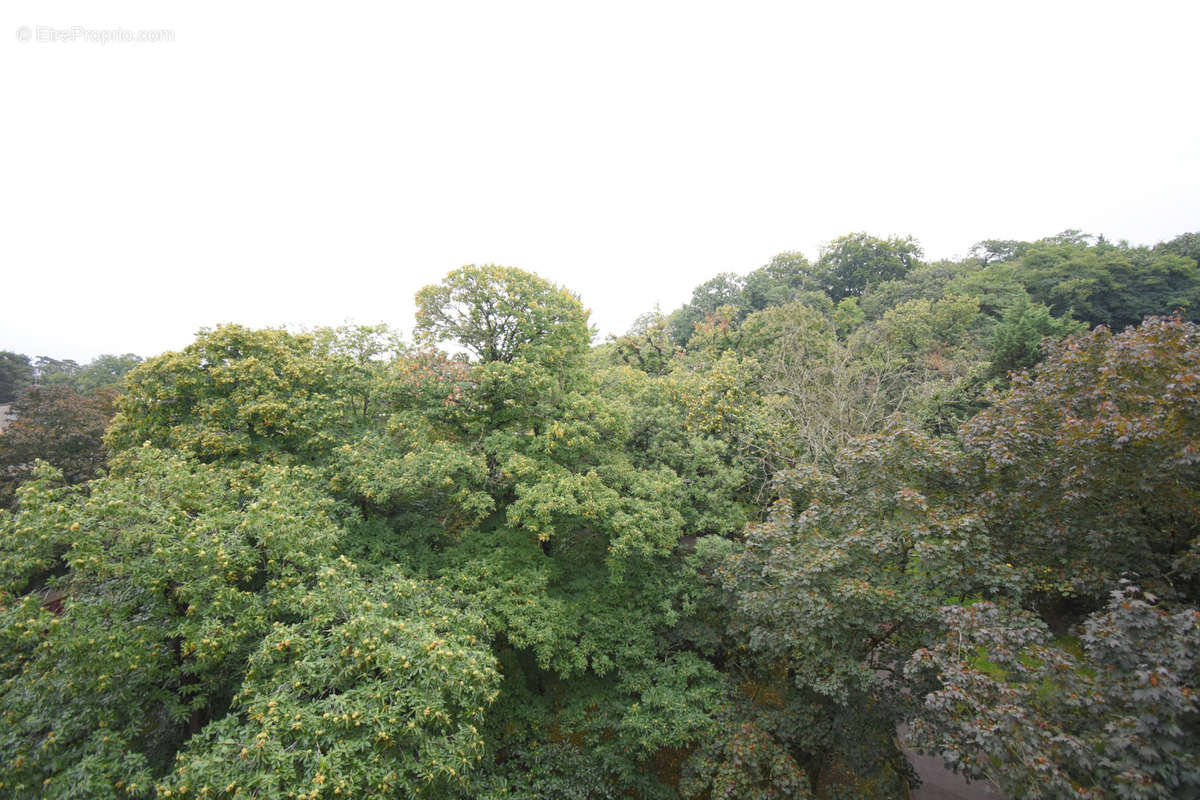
501, 313
725, 555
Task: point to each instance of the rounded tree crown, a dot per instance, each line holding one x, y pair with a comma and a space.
502, 313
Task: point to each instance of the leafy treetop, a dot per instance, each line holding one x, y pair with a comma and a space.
502, 313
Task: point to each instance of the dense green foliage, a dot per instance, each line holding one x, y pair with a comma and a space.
58, 425
59, 412
1114, 717
16, 372
722, 556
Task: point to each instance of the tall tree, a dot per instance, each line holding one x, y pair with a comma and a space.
778, 282
16, 372
726, 289
104, 372
1018, 337
649, 345
827, 599
1091, 460
236, 393
56, 425
500, 313
1185, 244
852, 263
53, 371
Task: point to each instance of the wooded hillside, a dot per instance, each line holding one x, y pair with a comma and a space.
723, 555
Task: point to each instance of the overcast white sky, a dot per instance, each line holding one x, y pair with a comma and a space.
308, 163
